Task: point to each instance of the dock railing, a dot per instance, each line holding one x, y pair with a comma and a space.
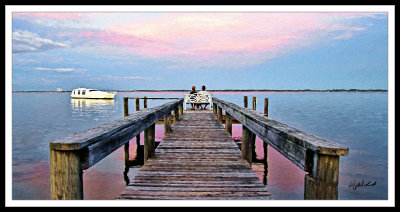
317, 156
72, 154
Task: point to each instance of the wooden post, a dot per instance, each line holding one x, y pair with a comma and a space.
228, 123
149, 142
126, 108
176, 114
65, 175
254, 103
219, 114
145, 102
215, 109
137, 104
247, 144
245, 101
126, 113
266, 107
180, 110
167, 124
322, 181
265, 148
126, 151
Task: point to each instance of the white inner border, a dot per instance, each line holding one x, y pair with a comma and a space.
226, 8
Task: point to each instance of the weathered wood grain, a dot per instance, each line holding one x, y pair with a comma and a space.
271, 130
81, 150
136, 122
317, 156
66, 181
197, 160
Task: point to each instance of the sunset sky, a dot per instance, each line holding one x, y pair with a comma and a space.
122, 50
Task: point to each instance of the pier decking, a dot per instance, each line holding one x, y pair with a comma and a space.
198, 160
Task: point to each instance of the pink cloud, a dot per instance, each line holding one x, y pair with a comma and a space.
208, 37
225, 32
198, 36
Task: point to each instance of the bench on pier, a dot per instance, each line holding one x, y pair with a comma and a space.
198, 98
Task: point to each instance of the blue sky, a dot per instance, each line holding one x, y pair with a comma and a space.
145, 51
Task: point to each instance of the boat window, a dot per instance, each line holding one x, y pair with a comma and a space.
74, 92
79, 92
83, 92
92, 90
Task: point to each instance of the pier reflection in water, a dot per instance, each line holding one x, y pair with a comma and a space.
138, 160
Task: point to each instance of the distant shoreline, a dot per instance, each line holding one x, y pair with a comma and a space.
237, 90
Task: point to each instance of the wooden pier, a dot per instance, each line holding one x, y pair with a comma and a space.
198, 160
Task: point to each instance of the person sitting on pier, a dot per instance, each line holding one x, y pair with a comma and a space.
193, 92
203, 91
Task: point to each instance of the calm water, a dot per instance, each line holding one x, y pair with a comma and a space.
357, 120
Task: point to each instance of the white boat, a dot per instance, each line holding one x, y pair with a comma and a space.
85, 93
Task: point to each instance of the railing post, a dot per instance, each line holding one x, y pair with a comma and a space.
219, 114
228, 123
265, 148
126, 107
149, 142
266, 107
245, 102
215, 109
180, 110
145, 102
323, 178
137, 104
167, 124
65, 175
247, 147
254, 103
176, 114
126, 113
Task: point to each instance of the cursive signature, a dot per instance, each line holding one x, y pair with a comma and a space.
354, 185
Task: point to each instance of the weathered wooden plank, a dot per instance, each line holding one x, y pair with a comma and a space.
294, 144
81, 150
144, 118
262, 126
196, 184
66, 182
196, 193
194, 189
199, 183
197, 160
148, 197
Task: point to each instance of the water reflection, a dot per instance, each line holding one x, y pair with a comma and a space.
137, 162
90, 107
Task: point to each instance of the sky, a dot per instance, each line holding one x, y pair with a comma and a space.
223, 50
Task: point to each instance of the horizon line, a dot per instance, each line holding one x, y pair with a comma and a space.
216, 90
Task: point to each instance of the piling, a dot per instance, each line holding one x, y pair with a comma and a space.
266, 107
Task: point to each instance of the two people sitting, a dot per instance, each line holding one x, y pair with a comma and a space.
203, 91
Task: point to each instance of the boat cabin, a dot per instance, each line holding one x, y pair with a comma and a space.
82, 91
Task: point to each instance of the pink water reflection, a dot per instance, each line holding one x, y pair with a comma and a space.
33, 178
284, 178
105, 180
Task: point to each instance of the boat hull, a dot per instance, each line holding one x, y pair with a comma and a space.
92, 97
83, 93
